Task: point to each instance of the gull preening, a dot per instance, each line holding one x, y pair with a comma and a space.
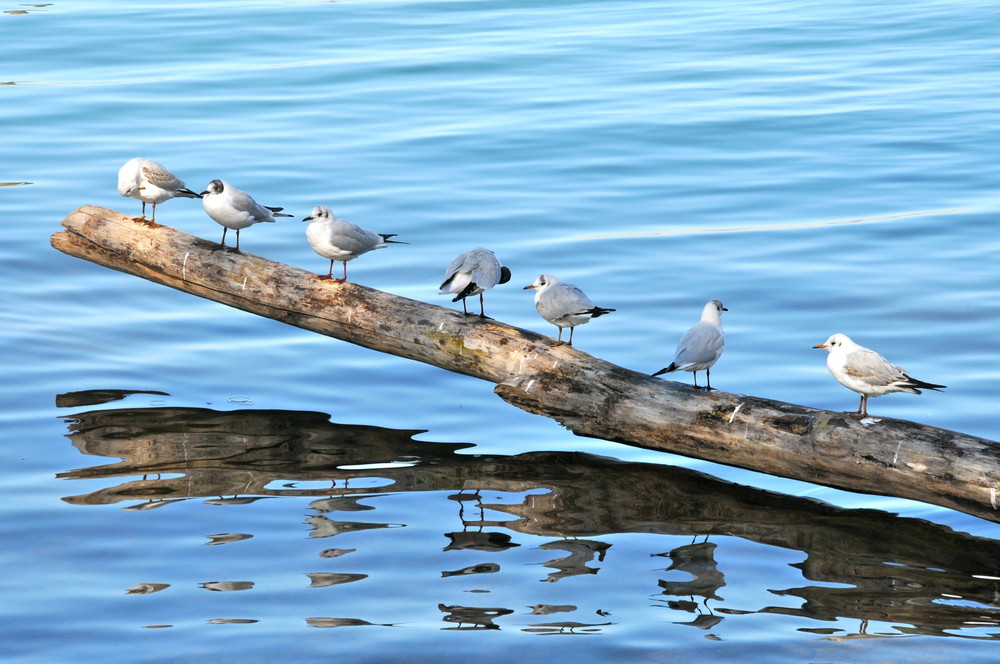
701, 346
234, 208
150, 182
472, 273
340, 240
563, 305
867, 373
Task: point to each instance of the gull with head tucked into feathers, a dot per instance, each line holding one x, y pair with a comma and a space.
472, 273
152, 183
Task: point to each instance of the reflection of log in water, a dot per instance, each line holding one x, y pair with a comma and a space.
897, 569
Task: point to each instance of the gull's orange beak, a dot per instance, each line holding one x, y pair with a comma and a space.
532, 287
820, 346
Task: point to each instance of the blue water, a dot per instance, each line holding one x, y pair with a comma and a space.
819, 167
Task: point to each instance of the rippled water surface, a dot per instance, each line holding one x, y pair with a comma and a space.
187, 482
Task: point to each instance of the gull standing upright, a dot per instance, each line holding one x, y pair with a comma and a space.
701, 346
234, 208
340, 240
563, 305
150, 182
471, 273
867, 373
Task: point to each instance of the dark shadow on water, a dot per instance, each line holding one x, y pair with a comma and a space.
921, 577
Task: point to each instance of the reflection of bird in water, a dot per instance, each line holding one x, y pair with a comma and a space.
704, 620
325, 527
235, 500
548, 609
227, 586
479, 541
461, 498
483, 568
567, 627
324, 579
341, 504
227, 538
342, 622
698, 560
580, 553
475, 540
472, 617
146, 588
150, 505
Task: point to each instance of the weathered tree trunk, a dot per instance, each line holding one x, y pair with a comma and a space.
589, 396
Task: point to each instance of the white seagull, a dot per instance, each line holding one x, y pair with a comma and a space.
340, 240
563, 305
701, 346
471, 273
867, 373
234, 208
150, 182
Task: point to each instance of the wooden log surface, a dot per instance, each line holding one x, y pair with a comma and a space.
589, 396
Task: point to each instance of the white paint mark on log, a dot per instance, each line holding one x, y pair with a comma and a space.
184, 266
895, 457
993, 497
527, 388
918, 467
244, 283
866, 421
735, 410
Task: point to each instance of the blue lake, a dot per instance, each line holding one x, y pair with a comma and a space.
188, 482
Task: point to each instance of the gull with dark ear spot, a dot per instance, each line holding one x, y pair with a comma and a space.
472, 273
866, 372
152, 183
701, 346
340, 240
234, 208
563, 305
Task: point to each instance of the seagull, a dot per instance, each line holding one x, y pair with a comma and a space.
867, 373
150, 182
471, 273
340, 240
563, 305
701, 346
234, 208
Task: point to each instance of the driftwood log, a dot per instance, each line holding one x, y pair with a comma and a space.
587, 395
